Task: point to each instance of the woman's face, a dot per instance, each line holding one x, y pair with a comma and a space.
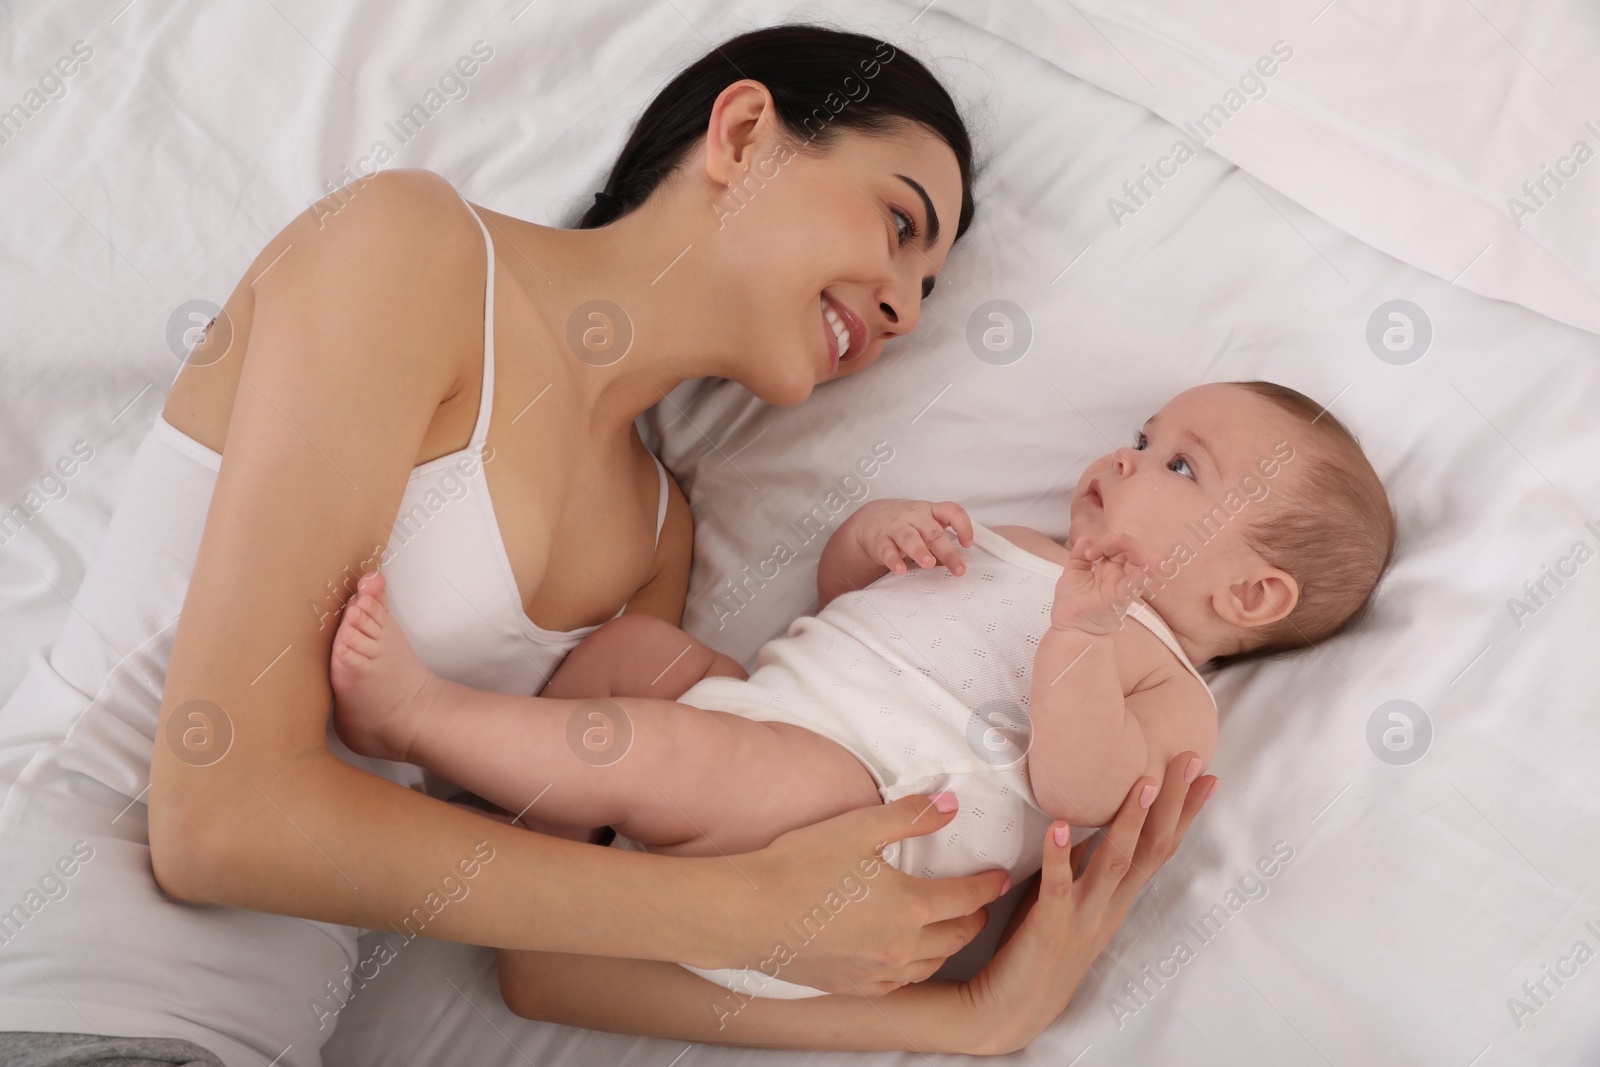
830, 254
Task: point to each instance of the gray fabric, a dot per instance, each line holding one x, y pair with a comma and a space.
29, 1049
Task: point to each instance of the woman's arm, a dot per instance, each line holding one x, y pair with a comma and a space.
656, 999
1053, 938
349, 357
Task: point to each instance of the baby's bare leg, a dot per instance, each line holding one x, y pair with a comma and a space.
675, 777
634, 655
638, 656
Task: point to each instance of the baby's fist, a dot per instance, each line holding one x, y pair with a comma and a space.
1098, 584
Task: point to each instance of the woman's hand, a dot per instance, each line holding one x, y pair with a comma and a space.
891, 531
1064, 923
1049, 946
852, 923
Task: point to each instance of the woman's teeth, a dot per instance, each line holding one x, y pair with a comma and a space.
840, 330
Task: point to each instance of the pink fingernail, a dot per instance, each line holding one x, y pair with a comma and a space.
945, 802
1148, 797
1063, 835
1007, 887
1210, 792
1192, 772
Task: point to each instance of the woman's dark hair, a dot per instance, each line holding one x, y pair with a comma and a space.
821, 80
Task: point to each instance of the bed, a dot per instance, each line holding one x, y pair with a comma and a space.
1397, 220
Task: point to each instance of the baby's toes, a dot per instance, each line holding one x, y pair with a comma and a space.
374, 585
366, 616
351, 639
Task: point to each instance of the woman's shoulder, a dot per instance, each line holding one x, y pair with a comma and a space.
398, 255
405, 205
396, 229
387, 271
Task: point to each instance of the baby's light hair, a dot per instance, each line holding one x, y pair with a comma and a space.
1333, 529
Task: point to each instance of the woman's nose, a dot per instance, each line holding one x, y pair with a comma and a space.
900, 304
897, 315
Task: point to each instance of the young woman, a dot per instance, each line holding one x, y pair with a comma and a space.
406, 380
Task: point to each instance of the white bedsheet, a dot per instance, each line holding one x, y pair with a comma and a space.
1417, 899
1412, 126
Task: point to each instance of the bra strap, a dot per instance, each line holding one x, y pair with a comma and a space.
480, 431
661, 505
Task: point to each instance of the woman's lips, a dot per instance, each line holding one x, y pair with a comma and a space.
848, 340
832, 341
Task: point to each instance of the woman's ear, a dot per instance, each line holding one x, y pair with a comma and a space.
1264, 596
734, 133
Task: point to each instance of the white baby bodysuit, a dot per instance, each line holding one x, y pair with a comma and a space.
925, 677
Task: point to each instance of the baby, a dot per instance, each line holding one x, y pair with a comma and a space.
1243, 520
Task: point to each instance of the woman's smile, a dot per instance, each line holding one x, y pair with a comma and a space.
845, 333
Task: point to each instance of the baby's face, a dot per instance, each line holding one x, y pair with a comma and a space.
1195, 476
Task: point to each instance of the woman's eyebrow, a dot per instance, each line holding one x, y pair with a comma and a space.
930, 238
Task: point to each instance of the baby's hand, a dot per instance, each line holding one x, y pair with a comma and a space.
891, 531
1097, 584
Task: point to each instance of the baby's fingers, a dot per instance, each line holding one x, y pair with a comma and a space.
945, 549
1125, 547
914, 548
888, 553
954, 515
1112, 545
1114, 582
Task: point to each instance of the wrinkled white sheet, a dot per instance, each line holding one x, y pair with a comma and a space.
1445, 134
1415, 900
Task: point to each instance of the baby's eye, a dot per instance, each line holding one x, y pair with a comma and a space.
1180, 465
1140, 441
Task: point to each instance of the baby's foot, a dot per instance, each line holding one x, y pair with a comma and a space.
381, 689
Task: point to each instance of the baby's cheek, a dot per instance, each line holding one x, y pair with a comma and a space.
1155, 523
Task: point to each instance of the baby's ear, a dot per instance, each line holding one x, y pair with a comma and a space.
1266, 595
